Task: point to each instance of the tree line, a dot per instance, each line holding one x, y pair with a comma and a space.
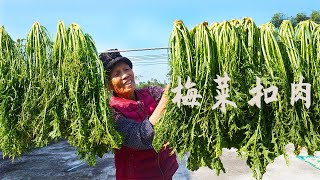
277, 18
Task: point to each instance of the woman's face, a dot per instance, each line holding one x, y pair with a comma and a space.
122, 80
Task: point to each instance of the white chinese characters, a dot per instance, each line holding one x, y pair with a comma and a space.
257, 94
297, 92
223, 94
300, 91
190, 98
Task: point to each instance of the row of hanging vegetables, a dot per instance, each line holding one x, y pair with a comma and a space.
244, 52
52, 89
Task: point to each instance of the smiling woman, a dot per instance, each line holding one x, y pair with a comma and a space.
123, 86
136, 111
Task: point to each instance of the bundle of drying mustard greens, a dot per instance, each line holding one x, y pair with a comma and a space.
51, 90
232, 86
236, 85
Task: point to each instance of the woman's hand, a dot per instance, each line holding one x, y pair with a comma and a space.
157, 113
164, 99
166, 89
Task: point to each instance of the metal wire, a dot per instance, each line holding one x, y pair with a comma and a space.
141, 49
148, 57
144, 60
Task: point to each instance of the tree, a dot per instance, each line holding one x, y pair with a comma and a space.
299, 17
277, 19
152, 82
315, 16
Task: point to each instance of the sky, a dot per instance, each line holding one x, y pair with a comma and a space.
137, 24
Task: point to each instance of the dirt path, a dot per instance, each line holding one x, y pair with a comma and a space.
59, 161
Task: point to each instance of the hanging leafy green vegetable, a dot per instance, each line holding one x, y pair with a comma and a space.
15, 133
91, 126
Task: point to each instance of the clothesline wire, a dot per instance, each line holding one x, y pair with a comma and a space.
141, 49
145, 58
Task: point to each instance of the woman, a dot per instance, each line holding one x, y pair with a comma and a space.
136, 111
